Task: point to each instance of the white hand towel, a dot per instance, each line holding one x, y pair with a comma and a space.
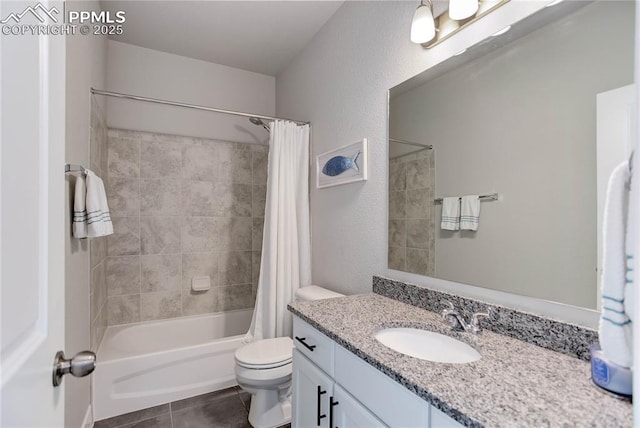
79, 208
470, 212
615, 325
629, 289
450, 213
91, 217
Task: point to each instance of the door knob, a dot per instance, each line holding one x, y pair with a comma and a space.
81, 365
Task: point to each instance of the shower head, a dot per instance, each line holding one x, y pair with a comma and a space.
259, 122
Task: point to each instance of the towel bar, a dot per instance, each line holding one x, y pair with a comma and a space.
68, 167
490, 197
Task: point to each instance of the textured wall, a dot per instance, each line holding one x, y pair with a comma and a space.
340, 82
182, 207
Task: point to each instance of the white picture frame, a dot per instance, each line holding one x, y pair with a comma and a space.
346, 164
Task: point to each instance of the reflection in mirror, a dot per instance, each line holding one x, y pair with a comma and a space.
411, 211
516, 115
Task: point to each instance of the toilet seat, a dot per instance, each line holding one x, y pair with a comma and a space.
264, 366
266, 378
265, 354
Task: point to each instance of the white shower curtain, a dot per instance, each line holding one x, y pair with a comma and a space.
286, 254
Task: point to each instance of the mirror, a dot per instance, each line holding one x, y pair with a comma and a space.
517, 114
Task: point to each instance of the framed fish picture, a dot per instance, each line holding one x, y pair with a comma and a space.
343, 165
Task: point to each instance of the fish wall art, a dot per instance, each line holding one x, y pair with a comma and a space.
339, 164
343, 165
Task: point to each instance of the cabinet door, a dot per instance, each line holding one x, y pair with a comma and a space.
311, 391
440, 420
347, 412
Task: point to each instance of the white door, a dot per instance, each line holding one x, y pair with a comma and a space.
311, 391
615, 139
349, 413
32, 74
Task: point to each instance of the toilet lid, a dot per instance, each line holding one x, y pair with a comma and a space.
265, 353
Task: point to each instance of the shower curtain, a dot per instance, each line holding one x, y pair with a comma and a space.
286, 254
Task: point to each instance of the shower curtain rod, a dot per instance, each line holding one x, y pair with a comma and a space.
193, 106
426, 146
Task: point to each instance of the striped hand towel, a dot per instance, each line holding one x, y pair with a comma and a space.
615, 332
91, 217
470, 212
450, 213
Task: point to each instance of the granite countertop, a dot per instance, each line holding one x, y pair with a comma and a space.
514, 384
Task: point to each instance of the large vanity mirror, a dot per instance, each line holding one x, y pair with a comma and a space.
539, 115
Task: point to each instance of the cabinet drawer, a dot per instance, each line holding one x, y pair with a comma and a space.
314, 345
395, 405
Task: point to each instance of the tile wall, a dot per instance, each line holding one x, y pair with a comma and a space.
412, 213
98, 246
182, 207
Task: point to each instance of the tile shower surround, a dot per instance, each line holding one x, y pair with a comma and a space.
182, 207
412, 213
97, 246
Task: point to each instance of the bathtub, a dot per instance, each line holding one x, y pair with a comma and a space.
146, 364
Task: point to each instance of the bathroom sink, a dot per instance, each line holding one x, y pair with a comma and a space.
427, 345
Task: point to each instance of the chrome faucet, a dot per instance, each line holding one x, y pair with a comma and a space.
458, 322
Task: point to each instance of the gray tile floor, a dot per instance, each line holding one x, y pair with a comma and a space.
220, 409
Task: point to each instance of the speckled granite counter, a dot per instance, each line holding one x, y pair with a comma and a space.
515, 384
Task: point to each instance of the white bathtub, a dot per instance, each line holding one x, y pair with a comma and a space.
146, 364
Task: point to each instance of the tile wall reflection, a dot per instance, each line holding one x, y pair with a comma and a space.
412, 213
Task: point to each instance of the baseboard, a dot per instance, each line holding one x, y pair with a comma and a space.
87, 422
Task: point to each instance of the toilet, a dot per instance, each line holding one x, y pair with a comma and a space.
263, 369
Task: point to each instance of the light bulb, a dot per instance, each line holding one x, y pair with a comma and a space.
462, 9
423, 27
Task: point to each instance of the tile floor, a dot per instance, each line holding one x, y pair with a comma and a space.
228, 408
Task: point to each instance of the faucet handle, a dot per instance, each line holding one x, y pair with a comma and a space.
448, 304
448, 309
475, 321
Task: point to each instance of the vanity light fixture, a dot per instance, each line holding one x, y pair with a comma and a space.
462, 9
423, 27
504, 30
446, 25
462, 13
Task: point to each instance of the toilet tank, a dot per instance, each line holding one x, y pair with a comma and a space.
313, 292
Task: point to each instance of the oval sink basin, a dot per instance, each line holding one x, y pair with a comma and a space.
427, 345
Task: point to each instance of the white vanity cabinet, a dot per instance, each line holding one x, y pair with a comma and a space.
333, 388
